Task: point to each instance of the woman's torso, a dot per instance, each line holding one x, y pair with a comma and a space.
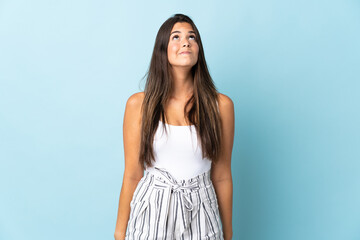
178, 151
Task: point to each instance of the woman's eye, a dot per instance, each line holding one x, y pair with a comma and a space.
177, 36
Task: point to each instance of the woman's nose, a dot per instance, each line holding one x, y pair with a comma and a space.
186, 43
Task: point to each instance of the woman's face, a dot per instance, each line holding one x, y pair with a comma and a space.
183, 49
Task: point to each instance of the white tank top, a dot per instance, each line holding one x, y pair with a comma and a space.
178, 151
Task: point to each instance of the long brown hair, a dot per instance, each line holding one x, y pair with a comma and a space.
204, 112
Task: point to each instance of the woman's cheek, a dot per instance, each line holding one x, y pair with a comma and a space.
173, 47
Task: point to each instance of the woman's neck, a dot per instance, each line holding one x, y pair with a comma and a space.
183, 83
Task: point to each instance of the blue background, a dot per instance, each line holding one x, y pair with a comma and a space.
290, 67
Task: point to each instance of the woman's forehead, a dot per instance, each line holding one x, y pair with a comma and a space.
182, 26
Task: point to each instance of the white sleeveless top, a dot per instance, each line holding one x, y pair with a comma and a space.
178, 151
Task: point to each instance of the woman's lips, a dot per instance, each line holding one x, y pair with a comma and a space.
185, 53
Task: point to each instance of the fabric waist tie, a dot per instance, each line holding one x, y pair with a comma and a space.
177, 191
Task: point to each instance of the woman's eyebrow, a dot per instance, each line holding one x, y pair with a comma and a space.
180, 32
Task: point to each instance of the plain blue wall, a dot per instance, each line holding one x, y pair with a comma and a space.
290, 67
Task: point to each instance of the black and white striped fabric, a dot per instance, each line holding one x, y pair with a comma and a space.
165, 208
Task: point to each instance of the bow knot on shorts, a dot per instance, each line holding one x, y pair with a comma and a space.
177, 188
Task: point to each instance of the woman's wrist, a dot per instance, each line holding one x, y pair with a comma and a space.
119, 236
228, 235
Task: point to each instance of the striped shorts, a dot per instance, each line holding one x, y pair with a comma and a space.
165, 208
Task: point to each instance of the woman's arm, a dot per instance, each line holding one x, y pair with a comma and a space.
221, 171
133, 171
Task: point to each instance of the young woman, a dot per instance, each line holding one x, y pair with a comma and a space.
180, 130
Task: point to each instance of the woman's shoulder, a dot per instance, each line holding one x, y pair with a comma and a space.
134, 103
226, 108
224, 100
135, 99
227, 113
